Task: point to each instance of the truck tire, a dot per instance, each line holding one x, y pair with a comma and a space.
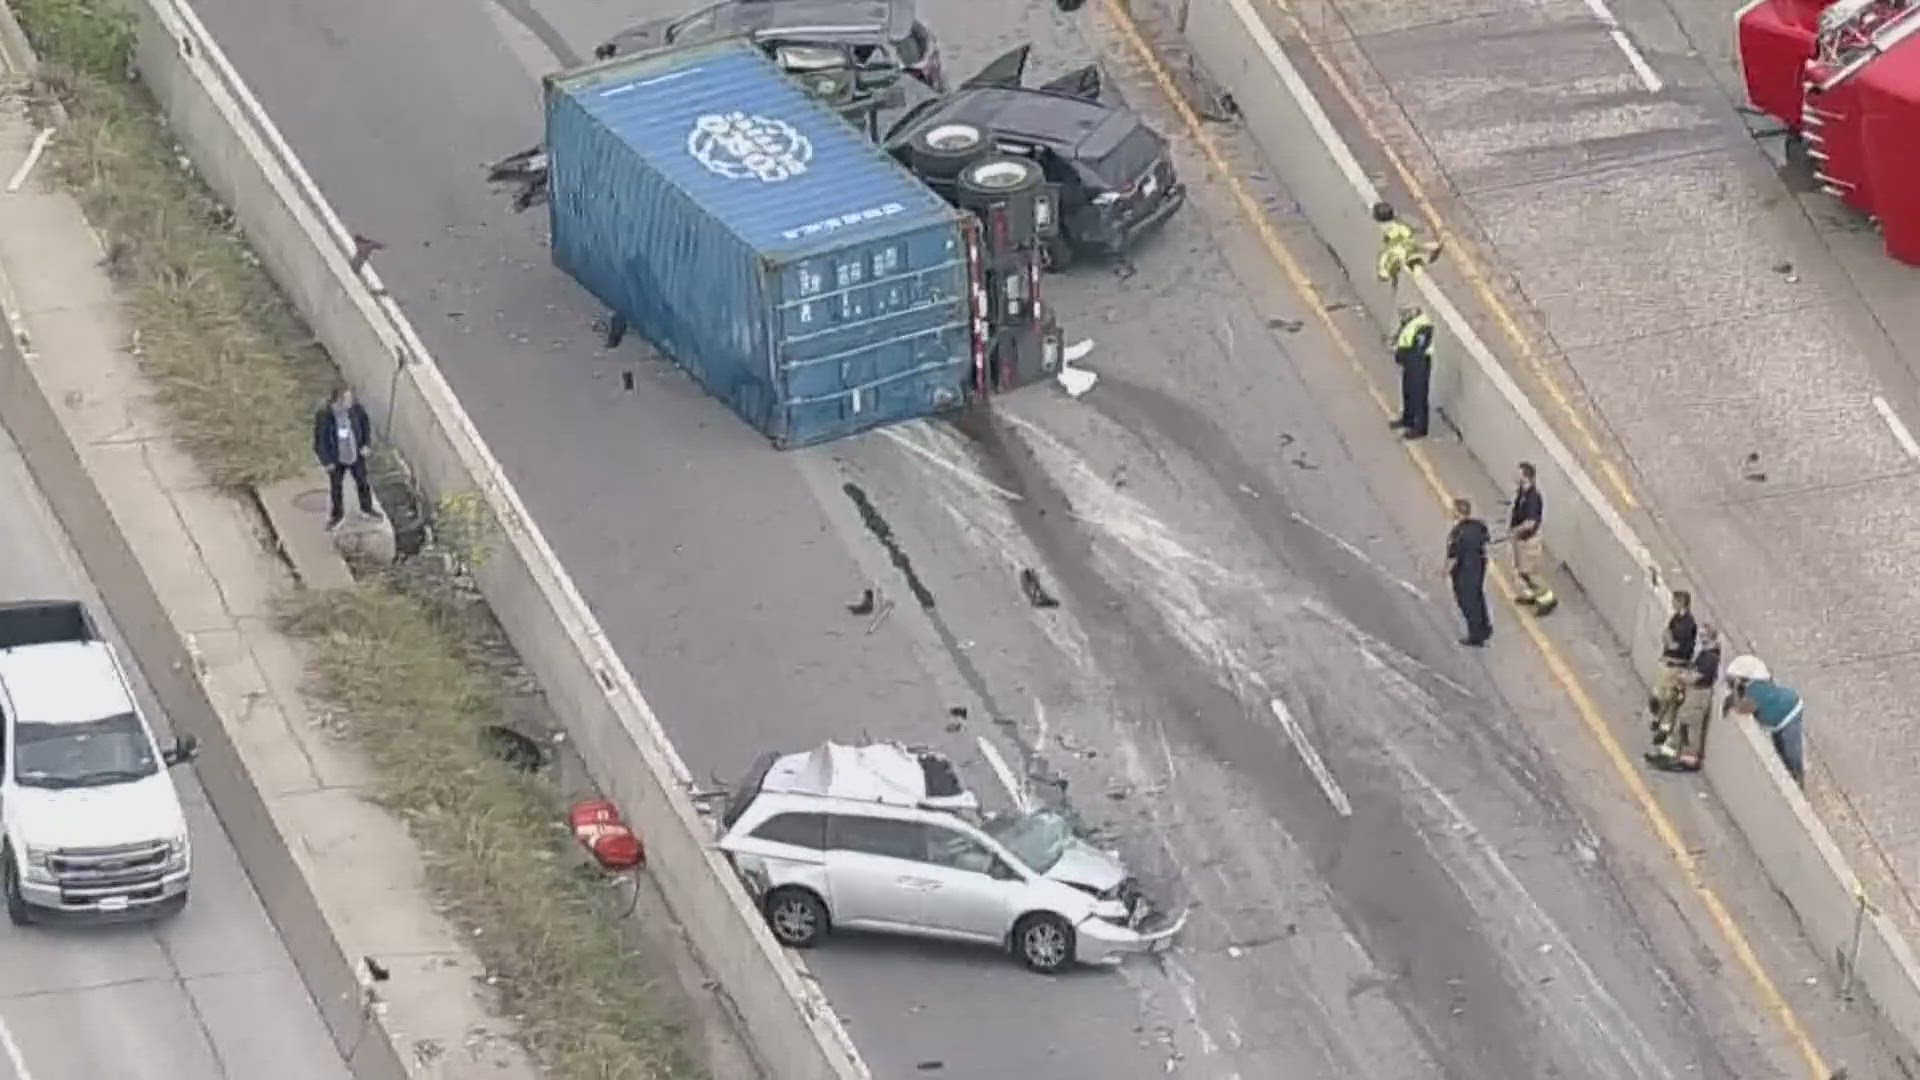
997, 178
18, 913
941, 151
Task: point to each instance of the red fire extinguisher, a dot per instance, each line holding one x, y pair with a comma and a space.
597, 825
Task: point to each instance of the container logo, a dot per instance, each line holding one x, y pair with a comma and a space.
740, 147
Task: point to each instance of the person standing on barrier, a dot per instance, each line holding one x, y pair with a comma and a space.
1467, 572
1776, 708
1677, 646
1523, 533
1413, 352
1399, 248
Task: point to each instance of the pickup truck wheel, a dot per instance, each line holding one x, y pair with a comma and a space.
1044, 942
943, 151
796, 917
17, 911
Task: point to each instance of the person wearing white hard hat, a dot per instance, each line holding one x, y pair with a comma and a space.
1776, 708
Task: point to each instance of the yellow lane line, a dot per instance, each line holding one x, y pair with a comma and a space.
1469, 266
1624, 766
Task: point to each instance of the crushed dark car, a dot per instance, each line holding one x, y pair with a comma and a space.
1114, 174
879, 39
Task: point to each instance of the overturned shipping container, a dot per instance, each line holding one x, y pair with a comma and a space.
760, 242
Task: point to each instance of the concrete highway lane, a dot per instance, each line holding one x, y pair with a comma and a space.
211, 995
1250, 687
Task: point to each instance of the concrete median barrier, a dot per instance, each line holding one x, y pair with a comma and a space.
241, 155
1600, 547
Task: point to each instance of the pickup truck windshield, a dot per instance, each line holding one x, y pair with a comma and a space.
111, 750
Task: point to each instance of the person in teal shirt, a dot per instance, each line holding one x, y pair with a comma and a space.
1782, 715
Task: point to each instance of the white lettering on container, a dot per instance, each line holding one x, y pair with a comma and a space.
742, 147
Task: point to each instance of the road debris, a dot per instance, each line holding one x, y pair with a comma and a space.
1750, 469
1036, 593
1075, 381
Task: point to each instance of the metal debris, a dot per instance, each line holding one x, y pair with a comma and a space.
1035, 592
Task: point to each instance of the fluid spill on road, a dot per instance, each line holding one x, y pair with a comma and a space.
883, 532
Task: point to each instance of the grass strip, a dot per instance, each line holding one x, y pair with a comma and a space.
412, 693
239, 373
232, 364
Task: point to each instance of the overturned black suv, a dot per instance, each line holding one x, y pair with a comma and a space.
1114, 175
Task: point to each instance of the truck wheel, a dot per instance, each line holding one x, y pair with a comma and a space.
18, 913
942, 151
999, 177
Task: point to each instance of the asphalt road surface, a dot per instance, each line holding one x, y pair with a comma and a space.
1250, 687
211, 995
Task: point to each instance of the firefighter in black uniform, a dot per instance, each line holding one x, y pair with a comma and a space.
1467, 572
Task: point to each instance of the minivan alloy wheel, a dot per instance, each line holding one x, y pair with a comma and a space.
796, 917
1045, 943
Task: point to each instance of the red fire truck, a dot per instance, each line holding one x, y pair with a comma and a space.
1844, 75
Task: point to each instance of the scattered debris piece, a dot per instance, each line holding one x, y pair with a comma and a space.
516, 749
1750, 469
958, 712
886, 609
1077, 351
1291, 326
1075, 381
376, 970
931, 1066
363, 249
1035, 592
862, 606
1235, 951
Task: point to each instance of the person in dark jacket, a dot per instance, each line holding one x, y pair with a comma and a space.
342, 437
1467, 572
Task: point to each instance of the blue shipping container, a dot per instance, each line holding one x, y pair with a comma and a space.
759, 240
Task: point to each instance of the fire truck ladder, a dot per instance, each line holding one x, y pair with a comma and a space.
1853, 33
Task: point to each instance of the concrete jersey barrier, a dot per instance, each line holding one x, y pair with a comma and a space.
1599, 546
303, 244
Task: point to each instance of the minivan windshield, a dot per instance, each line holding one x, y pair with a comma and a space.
111, 750
1038, 839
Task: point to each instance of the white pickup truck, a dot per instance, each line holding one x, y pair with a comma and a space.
90, 825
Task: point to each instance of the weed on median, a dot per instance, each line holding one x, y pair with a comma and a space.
234, 367
407, 680
398, 659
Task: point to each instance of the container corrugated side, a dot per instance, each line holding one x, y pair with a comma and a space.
823, 326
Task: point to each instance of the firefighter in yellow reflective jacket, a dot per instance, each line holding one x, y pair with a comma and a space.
1399, 248
1413, 351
